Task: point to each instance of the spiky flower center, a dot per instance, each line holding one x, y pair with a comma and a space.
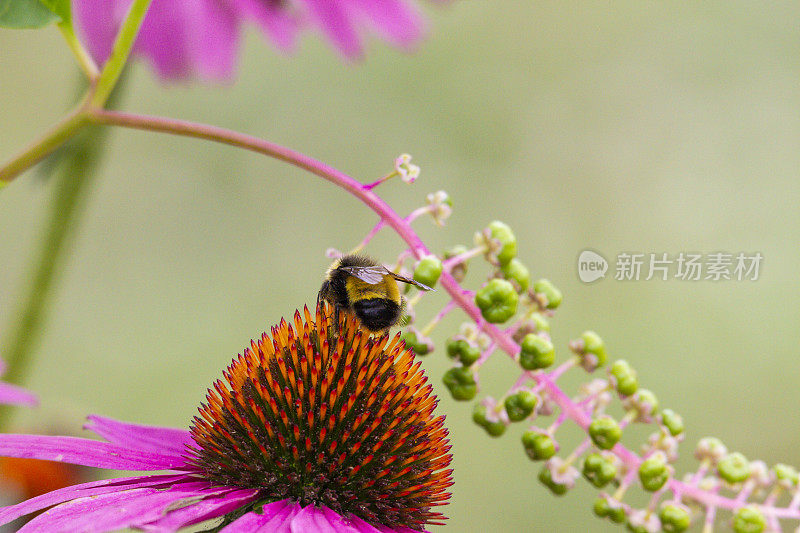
328, 416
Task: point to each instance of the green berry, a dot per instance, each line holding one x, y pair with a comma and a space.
538, 446
418, 345
605, 432
497, 301
519, 406
464, 351
734, 468
428, 270
461, 383
598, 470
550, 292
674, 518
601, 507
653, 472
749, 520
672, 421
786, 475
508, 242
536, 352
515, 271
540, 322
593, 344
547, 480
624, 377
493, 428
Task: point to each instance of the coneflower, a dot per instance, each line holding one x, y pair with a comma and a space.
314, 427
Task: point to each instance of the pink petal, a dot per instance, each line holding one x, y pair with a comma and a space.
206, 509
166, 441
112, 511
280, 26
274, 518
98, 22
214, 40
164, 37
12, 512
331, 16
396, 20
85, 452
11, 394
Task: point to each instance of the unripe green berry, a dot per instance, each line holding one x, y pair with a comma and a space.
644, 403
461, 383
516, 272
710, 448
547, 480
734, 468
550, 292
674, 518
540, 322
653, 472
538, 446
605, 432
598, 470
463, 351
420, 346
601, 507
497, 301
428, 270
624, 377
536, 352
636, 528
593, 343
502, 232
749, 520
494, 428
672, 421
519, 406
786, 476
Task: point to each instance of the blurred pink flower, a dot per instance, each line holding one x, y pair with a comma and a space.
11, 394
183, 38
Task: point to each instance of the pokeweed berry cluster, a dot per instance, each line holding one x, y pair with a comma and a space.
511, 312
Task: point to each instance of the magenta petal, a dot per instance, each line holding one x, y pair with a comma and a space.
312, 518
395, 20
12, 512
85, 452
206, 509
98, 22
164, 37
166, 441
214, 40
274, 518
11, 394
332, 18
112, 511
279, 26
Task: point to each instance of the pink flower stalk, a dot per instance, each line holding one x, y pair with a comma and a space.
11, 394
183, 38
312, 429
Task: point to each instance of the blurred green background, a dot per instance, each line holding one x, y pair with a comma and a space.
643, 127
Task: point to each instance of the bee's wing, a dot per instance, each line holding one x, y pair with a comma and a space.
368, 274
420, 286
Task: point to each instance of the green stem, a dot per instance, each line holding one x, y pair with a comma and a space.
85, 61
64, 130
69, 190
119, 55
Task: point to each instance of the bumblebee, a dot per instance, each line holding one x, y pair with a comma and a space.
358, 284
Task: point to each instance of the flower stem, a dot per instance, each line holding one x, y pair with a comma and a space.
37, 150
119, 54
70, 189
85, 61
